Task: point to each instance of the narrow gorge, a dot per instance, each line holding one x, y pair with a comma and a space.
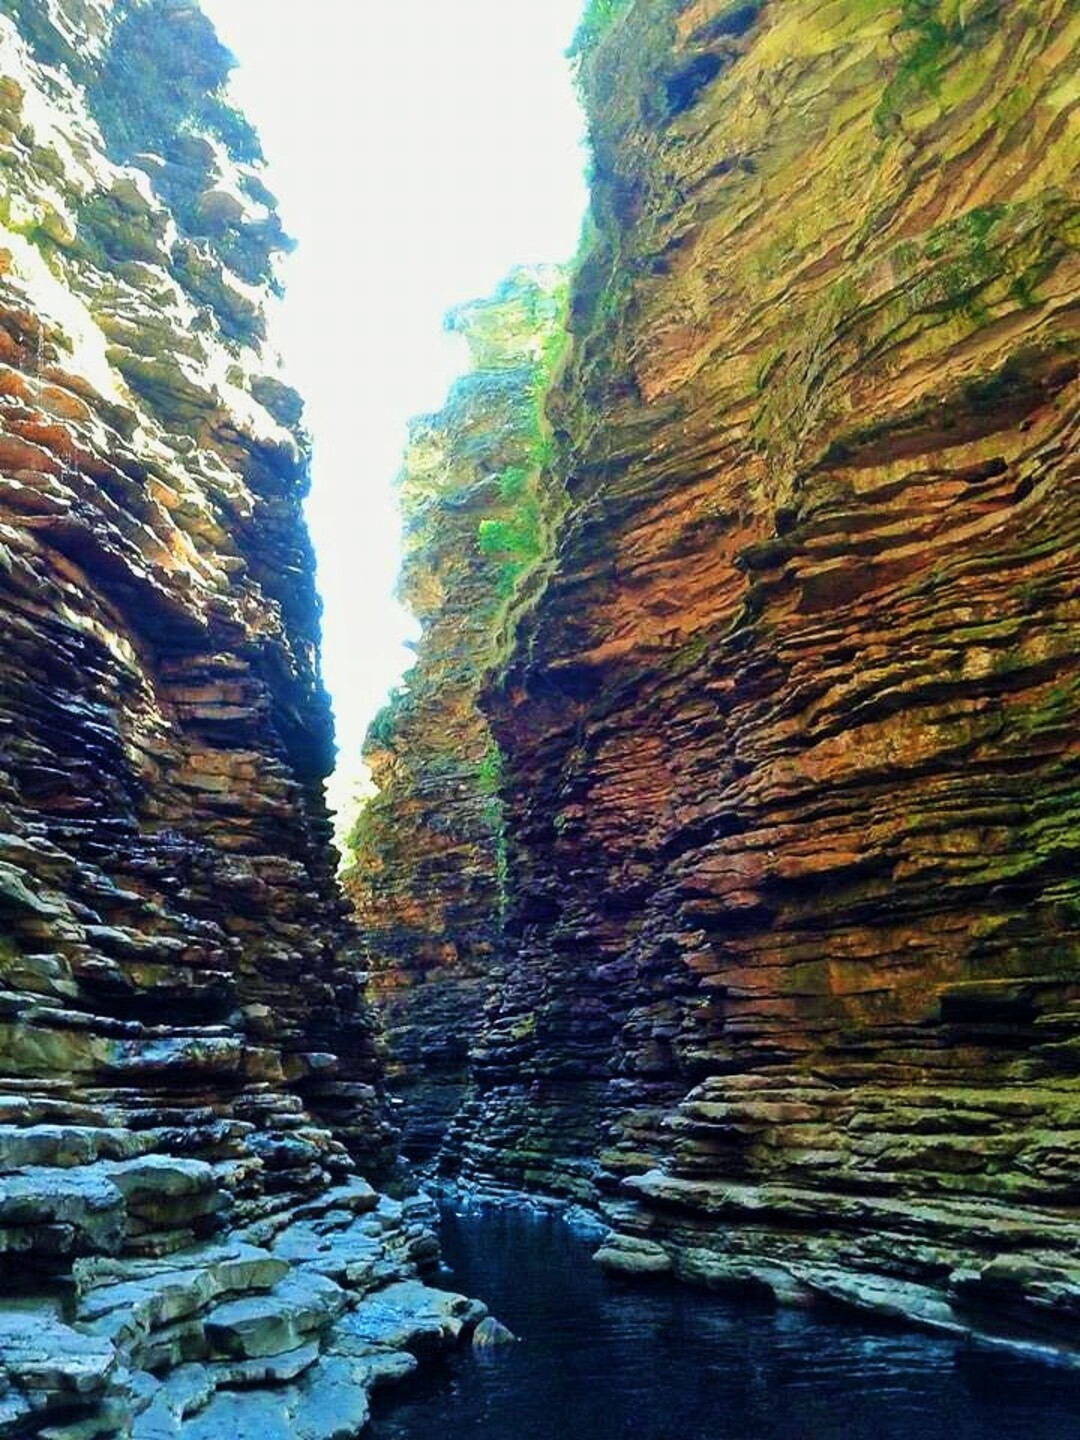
722, 872
776, 667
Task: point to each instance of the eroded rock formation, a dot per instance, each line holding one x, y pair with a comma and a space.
428, 875
189, 1074
789, 736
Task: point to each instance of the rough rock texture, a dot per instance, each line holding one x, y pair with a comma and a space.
280, 1328
189, 1076
790, 735
427, 877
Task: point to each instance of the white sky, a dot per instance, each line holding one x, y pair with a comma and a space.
418, 152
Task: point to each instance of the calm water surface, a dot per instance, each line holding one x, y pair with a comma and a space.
600, 1360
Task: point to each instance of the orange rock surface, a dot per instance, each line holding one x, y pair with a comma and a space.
790, 734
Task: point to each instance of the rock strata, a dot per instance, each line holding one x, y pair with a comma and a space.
788, 733
190, 1081
428, 871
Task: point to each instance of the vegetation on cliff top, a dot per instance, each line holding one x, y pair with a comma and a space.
479, 520
932, 34
598, 15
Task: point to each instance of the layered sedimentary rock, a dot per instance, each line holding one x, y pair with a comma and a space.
189, 1075
790, 734
427, 877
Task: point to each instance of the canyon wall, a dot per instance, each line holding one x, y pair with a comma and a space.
190, 1080
789, 733
428, 872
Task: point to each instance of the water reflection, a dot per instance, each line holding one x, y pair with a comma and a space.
599, 1360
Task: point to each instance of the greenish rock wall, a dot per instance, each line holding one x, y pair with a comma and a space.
427, 873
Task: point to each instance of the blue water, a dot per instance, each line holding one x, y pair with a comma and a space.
602, 1360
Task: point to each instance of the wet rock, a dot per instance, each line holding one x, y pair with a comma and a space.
166, 1193
276, 1322
79, 1211
625, 1255
50, 1372
64, 1146
887, 1297
272, 1369
409, 1315
43, 1356
333, 1406
491, 1333
153, 1294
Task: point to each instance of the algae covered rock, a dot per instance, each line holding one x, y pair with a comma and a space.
490, 1334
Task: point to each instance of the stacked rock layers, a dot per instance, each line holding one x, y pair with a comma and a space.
428, 874
790, 735
189, 1075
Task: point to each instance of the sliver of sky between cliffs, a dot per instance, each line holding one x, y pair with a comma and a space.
418, 153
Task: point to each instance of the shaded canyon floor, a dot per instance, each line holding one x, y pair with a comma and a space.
601, 1360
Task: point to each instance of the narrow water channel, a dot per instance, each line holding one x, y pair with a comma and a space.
601, 1360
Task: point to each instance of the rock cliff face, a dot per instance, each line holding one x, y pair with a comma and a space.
428, 879
189, 1076
789, 736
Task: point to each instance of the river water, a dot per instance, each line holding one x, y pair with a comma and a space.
598, 1359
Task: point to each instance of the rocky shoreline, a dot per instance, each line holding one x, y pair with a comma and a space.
981, 1310
281, 1328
